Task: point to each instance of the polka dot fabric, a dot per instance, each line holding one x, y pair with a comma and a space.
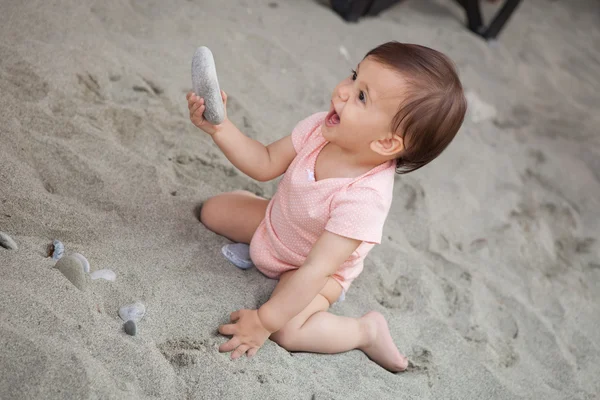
302, 209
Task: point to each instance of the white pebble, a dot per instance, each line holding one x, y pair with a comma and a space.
132, 312
107, 274
59, 250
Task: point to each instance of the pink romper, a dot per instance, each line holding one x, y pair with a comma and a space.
302, 209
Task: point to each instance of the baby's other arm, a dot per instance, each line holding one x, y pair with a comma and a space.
254, 159
324, 259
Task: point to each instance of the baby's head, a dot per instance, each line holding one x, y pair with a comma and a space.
403, 102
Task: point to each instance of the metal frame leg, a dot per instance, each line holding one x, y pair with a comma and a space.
475, 21
500, 19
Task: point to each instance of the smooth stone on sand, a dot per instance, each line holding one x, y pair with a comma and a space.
72, 269
133, 312
107, 274
7, 242
59, 250
83, 260
130, 328
206, 85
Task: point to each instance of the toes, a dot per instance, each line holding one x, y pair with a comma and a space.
403, 364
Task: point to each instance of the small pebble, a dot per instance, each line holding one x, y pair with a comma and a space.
130, 328
72, 269
83, 260
59, 250
134, 312
7, 242
107, 274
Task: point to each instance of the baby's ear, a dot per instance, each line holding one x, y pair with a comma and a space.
389, 146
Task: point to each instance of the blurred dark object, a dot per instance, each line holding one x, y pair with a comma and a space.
352, 10
475, 22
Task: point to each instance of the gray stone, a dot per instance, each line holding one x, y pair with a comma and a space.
206, 85
83, 260
7, 242
130, 328
72, 269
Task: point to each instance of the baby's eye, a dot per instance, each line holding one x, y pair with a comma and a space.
362, 97
354, 75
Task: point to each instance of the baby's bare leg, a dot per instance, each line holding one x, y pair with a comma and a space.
317, 331
235, 215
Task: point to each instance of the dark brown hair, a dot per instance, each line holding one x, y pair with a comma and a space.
435, 105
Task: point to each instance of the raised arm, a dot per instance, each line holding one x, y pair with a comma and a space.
254, 159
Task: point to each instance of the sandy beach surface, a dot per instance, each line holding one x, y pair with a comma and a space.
489, 272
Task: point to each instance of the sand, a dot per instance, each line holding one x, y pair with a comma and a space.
489, 273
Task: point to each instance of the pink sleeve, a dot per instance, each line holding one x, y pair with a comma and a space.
358, 213
305, 129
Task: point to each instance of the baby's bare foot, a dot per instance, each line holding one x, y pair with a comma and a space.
380, 346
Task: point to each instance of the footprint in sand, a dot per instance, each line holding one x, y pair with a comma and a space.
400, 296
18, 78
420, 362
91, 87
183, 353
132, 89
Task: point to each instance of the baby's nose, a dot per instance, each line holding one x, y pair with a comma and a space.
344, 93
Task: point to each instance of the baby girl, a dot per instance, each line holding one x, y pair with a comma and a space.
396, 113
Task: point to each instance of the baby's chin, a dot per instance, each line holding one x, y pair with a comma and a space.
329, 132
334, 133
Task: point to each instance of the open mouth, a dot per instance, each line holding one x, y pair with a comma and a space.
332, 118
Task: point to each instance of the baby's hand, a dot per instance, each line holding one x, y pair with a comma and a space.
248, 333
197, 107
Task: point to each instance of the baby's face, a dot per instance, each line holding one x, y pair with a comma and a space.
363, 106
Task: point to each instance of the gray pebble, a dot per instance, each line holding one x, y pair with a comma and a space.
7, 242
130, 328
72, 269
206, 85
